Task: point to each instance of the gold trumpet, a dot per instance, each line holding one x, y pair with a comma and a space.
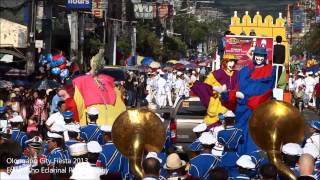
136, 131
274, 124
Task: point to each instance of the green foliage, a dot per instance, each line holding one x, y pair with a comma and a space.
91, 46
148, 44
310, 42
298, 48
124, 44
195, 32
192, 33
174, 48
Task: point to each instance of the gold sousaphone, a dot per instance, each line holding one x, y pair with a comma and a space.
274, 124
136, 131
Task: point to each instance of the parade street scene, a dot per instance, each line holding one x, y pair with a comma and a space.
160, 90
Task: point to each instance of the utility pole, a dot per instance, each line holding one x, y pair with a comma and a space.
105, 33
114, 39
30, 55
47, 25
81, 37
123, 15
74, 36
133, 38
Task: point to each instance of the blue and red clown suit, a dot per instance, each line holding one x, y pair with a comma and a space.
256, 82
209, 92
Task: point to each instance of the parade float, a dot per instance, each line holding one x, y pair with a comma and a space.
97, 90
265, 31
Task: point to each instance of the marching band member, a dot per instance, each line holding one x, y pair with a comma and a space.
91, 132
201, 165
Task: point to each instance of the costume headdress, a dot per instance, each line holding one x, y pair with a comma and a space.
229, 57
97, 62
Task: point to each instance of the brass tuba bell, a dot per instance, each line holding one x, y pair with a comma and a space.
274, 124
136, 131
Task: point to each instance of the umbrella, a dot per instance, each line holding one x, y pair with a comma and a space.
172, 61
203, 63
143, 68
168, 68
46, 84
169, 65
179, 67
139, 60
155, 64
5, 84
191, 66
22, 83
132, 61
184, 62
146, 61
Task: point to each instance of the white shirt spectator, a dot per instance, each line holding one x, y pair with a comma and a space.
299, 82
55, 118
180, 87
310, 84
161, 84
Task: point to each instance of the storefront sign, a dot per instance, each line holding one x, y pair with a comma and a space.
98, 6
143, 10
298, 20
79, 4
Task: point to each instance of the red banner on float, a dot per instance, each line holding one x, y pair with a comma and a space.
243, 46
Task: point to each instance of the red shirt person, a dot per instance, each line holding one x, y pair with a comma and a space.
317, 95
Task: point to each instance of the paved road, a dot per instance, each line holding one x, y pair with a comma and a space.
310, 115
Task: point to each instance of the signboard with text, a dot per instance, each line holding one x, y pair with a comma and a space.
243, 46
143, 10
79, 4
298, 20
148, 10
165, 10
98, 6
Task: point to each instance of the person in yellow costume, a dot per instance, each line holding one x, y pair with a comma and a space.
99, 91
218, 81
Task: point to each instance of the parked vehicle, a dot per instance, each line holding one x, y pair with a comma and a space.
187, 114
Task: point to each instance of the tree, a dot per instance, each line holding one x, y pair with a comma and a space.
312, 40
195, 32
148, 44
124, 44
92, 44
174, 48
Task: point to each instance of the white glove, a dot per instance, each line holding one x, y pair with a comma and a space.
224, 88
239, 95
219, 89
